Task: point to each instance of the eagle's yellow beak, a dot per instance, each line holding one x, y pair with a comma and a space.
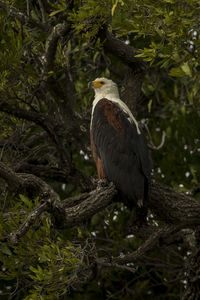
95, 84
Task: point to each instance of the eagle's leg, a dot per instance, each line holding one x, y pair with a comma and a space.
138, 217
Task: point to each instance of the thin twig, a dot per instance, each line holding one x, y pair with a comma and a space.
122, 267
28, 8
42, 11
21, 231
140, 253
151, 144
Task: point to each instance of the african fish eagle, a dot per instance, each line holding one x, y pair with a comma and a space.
118, 145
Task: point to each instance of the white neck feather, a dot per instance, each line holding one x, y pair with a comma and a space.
112, 94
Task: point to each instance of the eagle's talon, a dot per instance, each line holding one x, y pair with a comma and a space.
102, 183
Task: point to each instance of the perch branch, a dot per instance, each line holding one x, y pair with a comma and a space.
174, 207
64, 216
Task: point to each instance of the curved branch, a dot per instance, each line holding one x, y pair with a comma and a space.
139, 254
153, 147
51, 44
26, 183
123, 51
9, 176
66, 95
96, 201
132, 83
170, 206
151, 144
63, 215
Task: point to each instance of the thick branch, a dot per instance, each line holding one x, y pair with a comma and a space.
9, 176
27, 183
11, 109
117, 47
174, 207
96, 201
131, 87
63, 215
170, 206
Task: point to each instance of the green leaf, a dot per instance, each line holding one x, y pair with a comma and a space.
186, 69
27, 202
4, 249
55, 12
149, 106
115, 5
176, 72
113, 8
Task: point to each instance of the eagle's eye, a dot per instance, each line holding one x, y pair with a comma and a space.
102, 82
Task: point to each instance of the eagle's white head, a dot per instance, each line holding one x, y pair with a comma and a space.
104, 88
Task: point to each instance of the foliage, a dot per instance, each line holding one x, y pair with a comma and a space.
36, 137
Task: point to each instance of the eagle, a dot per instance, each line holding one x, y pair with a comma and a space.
118, 145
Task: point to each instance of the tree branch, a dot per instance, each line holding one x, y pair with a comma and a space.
63, 215
46, 122
169, 206
89, 205
172, 206
123, 51
12, 11
140, 253
15, 110
151, 144
131, 87
27, 183
51, 44
42, 11
21, 231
